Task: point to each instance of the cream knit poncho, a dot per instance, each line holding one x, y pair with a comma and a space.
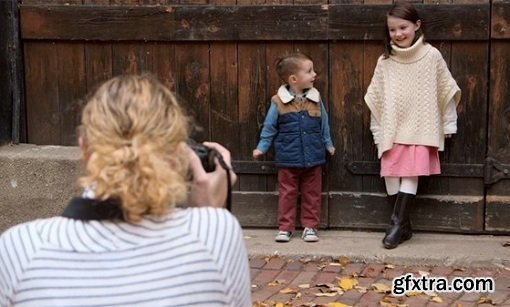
408, 96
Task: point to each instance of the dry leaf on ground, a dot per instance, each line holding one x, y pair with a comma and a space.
347, 283
343, 260
413, 293
384, 303
381, 288
328, 294
485, 300
275, 283
287, 290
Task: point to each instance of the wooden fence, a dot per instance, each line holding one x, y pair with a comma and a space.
218, 57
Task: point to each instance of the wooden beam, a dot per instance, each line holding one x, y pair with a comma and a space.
178, 23
251, 22
10, 79
5, 78
500, 21
254, 167
441, 22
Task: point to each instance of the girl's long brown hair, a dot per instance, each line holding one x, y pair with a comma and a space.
404, 10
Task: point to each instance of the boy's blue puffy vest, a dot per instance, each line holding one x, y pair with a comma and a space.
299, 140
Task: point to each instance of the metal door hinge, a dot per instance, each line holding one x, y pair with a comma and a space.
495, 171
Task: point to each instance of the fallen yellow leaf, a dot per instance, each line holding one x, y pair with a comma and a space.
381, 288
343, 260
485, 300
347, 283
304, 286
361, 289
274, 283
436, 299
287, 290
384, 303
389, 266
430, 293
337, 304
267, 259
413, 293
278, 305
328, 294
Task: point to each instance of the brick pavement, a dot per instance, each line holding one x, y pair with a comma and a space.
280, 282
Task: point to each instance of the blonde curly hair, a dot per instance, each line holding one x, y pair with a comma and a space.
133, 130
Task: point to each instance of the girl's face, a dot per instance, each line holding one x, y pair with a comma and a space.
402, 31
305, 77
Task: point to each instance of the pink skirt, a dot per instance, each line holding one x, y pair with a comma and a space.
410, 160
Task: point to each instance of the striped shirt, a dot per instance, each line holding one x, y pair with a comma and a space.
191, 257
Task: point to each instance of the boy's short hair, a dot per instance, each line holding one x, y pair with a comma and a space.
289, 64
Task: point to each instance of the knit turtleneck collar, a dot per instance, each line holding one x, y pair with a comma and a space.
410, 54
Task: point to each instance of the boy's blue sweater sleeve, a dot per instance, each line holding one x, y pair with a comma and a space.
269, 129
326, 136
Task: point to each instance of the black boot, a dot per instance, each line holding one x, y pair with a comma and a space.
399, 229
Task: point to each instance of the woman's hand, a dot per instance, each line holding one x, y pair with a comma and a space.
210, 189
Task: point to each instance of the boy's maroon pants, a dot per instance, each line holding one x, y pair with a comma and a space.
291, 181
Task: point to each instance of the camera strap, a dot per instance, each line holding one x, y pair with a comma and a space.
86, 209
227, 169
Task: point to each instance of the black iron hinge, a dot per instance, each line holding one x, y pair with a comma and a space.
495, 171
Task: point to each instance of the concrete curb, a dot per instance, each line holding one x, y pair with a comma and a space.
422, 249
36, 181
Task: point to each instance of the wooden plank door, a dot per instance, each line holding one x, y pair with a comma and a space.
498, 153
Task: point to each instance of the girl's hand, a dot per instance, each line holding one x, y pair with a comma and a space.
210, 189
257, 153
331, 150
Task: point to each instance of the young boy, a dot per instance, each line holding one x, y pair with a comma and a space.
298, 123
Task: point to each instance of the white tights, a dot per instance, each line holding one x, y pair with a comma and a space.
403, 184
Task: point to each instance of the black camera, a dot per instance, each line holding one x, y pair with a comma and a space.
207, 157
206, 154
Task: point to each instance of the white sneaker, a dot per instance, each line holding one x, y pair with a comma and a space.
310, 235
283, 236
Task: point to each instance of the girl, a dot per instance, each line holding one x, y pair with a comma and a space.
412, 99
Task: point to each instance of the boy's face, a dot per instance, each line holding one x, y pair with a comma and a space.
304, 77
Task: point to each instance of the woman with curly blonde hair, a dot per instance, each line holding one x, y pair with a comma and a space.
125, 242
